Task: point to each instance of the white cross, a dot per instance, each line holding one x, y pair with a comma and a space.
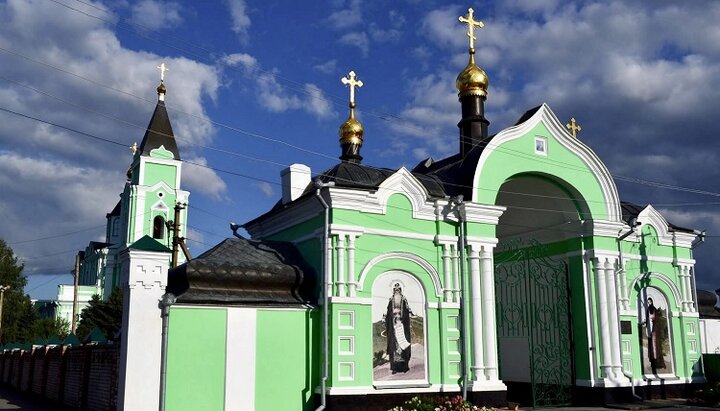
351, 81
163, 68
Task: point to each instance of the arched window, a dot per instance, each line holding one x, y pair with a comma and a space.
159, 227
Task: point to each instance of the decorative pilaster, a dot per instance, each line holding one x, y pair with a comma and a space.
476, 315
622, 288
352, 281
456, 273
613, 317
341, 281
489, 323
447, 273
691, 291
682, 274
606, 356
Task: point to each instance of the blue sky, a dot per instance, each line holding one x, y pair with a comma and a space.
255, 86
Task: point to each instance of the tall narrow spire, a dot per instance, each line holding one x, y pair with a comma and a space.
159, 137
351, 131
472, 85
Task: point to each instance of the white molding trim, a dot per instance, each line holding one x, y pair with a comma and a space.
429, 269
668, 282
369, 389
574, 145
350, 300
649, 215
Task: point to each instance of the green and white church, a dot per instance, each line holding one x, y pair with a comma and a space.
510, 271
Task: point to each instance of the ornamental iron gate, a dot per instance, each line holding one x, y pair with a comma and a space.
533, 324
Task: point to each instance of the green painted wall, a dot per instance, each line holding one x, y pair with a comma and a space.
287, 367
196, 359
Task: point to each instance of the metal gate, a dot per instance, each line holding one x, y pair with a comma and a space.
533, 320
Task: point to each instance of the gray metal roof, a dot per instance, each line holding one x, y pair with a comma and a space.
245, 272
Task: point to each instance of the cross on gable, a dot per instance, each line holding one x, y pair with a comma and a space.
351, 80
573, 127
472, 25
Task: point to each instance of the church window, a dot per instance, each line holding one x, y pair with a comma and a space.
541, 146
115, 226
159, 227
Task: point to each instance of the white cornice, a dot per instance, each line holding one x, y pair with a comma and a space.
300, 211
650, 216
481, 213
559, 132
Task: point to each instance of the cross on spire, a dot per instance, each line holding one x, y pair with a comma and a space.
134, 148
472, 25
163, 68
573, 127
351, 80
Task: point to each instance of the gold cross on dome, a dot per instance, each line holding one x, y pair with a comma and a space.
573, 127
134, 148
351, 80
472, 25
163, 68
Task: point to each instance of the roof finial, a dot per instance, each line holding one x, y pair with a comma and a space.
161, 90
351, 131
573, 127
472, 24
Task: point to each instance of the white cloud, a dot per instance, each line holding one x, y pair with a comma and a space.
384, 36
247, 61
155, 14
272, 95
347, 17
266, 188
357, 39
328, 67
241, 21
197, 177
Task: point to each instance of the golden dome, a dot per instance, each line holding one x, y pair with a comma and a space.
472, 80
351, 131
161, 88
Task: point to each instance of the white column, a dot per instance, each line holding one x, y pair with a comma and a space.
144, 277
623, 288
476, 315
683, 287
352, 281
691, 288
688, 289
341, 282
329, 267
456, 273
489, 324
447, 289
606, 360
613, 321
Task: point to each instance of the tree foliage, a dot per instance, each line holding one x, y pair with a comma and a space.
105, 315
20, 320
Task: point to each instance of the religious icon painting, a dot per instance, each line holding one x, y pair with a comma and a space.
657, 355
399, 354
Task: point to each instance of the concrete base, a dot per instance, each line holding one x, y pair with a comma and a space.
383, 402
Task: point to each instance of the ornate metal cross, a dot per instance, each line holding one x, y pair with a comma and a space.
134, 148
573, 127
351, 80
163, 68
472, 24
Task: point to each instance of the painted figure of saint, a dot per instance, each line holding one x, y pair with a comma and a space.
654, 326
397, 329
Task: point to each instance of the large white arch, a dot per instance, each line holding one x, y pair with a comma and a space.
429, 269
583, 152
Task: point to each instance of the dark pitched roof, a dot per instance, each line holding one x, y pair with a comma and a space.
115, 211
159, 133
354, 175
244, 272
708, 304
